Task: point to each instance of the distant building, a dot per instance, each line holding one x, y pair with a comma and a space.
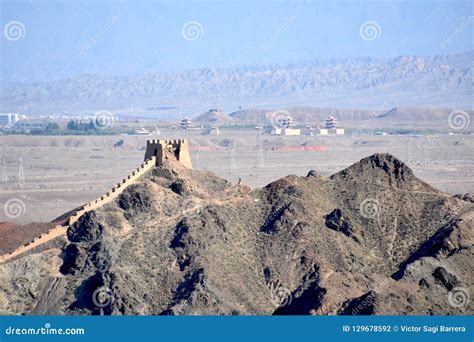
142, 131
286, 131
290, 131
8, 120
215, 130
308, 131
287, 122
331, 126
185, 124
212, 131
285, 127
331, 123
275, 131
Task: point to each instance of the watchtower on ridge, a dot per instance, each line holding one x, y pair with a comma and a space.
158, 148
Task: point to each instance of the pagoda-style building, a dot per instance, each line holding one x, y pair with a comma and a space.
287, 122
185, 123
331, 126
331, 123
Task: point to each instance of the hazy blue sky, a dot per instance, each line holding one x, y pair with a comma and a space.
68, 38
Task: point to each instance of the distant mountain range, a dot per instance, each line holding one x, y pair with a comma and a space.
361, 83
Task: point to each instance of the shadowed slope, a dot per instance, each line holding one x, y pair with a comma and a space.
182, 241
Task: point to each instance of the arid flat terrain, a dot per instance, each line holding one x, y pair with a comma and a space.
63, 172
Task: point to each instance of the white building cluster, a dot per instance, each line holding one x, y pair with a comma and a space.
285, 127
9, 119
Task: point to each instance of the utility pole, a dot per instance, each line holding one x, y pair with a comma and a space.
21, 174
4, 171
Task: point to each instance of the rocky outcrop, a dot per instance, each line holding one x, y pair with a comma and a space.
363, 305
466, 197
336, 221
383, 169
182, 242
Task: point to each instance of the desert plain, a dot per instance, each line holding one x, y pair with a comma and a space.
55, 174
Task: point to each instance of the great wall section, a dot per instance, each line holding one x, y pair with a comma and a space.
154, 156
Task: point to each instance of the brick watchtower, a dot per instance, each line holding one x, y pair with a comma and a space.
179, 148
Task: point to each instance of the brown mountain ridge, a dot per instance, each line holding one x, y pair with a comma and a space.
371, 239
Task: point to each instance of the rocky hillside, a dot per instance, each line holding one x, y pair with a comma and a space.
214, 117
371, 239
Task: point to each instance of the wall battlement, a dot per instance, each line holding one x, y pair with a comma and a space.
154, 156
104, 199
37, 241
158, 149
116, 190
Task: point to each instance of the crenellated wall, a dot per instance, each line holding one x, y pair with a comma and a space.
108, 197
154, 156
116, 190
38, 241
160, 148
